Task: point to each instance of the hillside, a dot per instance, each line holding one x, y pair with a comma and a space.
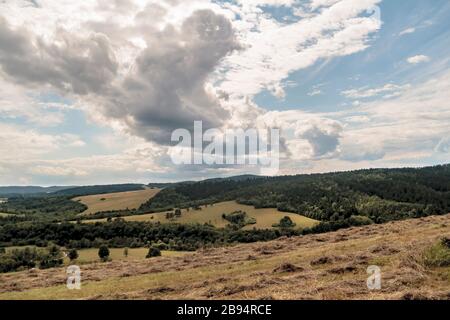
263, 218
379, 194
326, 266
115, 201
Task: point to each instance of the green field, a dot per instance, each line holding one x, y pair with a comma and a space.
265, 218
116, 201
4, 214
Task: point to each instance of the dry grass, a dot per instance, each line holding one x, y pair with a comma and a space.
91, 255
265, 218
116, 201
327, 266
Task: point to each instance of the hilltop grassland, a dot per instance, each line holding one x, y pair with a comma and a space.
413, 259
212, 214
116, 201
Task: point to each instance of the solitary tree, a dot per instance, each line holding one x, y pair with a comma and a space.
125, 252
103, 253
73, 254
153, 252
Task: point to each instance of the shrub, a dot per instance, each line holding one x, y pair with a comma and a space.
52, 258
153, 252
125, 252
437, 255
103, 253
73, 254
285, 223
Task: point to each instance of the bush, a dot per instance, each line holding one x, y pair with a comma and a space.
153, 252
438, 255
52, 258
73, 254
285, 223
103, 253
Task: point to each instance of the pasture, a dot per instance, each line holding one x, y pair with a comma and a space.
212, 214
116, 201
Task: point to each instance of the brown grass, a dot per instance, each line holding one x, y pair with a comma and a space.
116, 201
326, 266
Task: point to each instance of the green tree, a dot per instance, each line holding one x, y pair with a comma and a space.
73, 254
103, 253
52, 258
153, 252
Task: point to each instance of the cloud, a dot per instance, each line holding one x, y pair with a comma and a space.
274, 50
168, 87
407, 31
388, 91
443, 146
418, 59
323, 136
71, 63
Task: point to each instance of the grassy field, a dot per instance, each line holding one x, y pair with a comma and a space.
116, 254
91, 255
4, 214
325, 266
116, 201
265, 218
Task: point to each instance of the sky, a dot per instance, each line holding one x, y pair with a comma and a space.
90, 91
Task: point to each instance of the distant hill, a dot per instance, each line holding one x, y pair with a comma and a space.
29, 190
379, 194
99, 189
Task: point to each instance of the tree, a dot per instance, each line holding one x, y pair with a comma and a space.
73, 254
125, 252
2, 250
52, 258
103, 253
177, 213
286, 223
153, 252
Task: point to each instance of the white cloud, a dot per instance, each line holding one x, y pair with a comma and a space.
388, 91
418, 59
407, 31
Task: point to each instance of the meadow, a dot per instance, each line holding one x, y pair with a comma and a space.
86, 256
116, 201
212, 214
326, 266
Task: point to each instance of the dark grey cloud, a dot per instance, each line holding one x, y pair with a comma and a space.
77, 65
323, 136
167, 90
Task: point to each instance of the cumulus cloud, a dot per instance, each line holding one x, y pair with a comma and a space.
322, 135
78, 65
167, 89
